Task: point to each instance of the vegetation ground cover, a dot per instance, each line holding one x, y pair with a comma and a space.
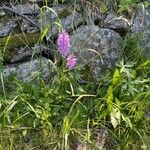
66, 111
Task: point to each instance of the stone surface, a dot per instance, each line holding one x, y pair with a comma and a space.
69, 19
101, 138
141, 20
116, 22
141, 27
2, 14
82, 146
30, 70
93, 13
95, 47
22, 53
26, 26
27, 9
9, 70
7, 27
98, 48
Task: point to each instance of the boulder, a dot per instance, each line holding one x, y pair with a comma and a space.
116, 22
141, 28
141, 20
25, 52
69, 18
6, 26
27, 71
20, 46
27, 9
97, 48
26, 26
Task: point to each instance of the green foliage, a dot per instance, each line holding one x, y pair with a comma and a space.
127, 99
131, 48
125, 5
65, 110
119, 104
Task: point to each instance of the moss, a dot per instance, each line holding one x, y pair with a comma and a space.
17, 40
4, 19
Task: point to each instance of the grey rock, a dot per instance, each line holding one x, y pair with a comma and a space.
23, 53
26, 26
2, 14
9, 70
27, 9
69, 19
91, 13
146, 43
116, 22
96, 15
53, 13
30, 70
96, 47
141, 27
7, 27
7, 24
141, 20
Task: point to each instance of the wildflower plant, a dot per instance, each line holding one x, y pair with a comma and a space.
71, 61
63, 43
67, 109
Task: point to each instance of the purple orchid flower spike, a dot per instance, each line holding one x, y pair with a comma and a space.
63, 43
71, 61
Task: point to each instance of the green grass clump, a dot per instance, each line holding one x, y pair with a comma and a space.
66, 108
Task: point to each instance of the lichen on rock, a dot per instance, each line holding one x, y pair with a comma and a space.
31, 70
96, 47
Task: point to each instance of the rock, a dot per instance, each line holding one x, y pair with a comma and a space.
146, 43
38, 1
8, 24
101, 138
2, 14
141, 27
30, 70
20, 46
70, 19
27, 27
97, 16
27, 9
23, 53
112, 21
7, 27
93, 13
95, 47
9, 70
141, 20
82, 146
